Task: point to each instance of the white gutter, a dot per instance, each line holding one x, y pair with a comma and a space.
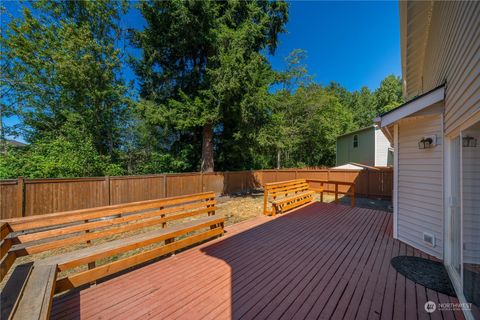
414, 105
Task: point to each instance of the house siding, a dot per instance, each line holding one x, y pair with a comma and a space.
381, 149
452, 56
364, 153
420, 184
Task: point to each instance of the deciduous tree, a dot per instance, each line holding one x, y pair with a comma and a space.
59, 58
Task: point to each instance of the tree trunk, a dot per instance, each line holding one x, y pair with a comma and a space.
207, 148
279, 159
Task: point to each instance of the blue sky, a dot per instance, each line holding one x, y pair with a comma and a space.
354, 43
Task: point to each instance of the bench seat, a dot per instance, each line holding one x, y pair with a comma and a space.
291, 202
13, 288
35, 300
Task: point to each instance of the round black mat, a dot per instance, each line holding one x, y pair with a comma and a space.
428, 273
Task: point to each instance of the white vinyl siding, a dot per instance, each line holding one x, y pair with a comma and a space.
452, 56
420, 180
381, 148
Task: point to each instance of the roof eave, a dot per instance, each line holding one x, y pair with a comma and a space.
417, 104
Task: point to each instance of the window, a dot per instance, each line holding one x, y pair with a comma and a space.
355, 141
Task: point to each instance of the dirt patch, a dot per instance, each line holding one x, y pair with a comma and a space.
241, 207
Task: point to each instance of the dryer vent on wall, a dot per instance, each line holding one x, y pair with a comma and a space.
429, 239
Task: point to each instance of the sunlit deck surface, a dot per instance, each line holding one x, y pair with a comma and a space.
322, 261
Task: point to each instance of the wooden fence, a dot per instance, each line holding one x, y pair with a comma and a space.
26, 197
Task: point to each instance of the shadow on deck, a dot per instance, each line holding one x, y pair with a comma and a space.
323, 261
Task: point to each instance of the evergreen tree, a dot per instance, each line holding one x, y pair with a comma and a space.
203, 72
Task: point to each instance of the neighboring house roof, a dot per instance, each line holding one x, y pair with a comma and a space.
357, 131
15, 143
348, 166
354, 166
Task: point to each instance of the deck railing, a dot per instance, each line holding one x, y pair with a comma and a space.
336, 191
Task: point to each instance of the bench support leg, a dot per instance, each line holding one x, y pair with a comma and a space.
168, 241
265, 202
336, 193
210, 213
353, 196
321, 193
275, 210
164, 224
91, 265
222, 225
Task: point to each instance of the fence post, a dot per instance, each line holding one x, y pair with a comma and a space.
226, 187
165, 186
109, 195
244, 180
259, 175
20, 197
201, 181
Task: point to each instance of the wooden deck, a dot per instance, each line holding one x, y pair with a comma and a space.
323, 261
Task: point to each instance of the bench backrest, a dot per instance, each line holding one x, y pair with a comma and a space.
276, 189
69, 230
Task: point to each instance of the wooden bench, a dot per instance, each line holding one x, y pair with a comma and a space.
285, 195
94, 243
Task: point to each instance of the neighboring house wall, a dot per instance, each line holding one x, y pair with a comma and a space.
471, 201
451, 55
382, 146
341, 152
364, 153
420, 184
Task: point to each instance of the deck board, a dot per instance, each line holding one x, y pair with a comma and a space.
323, 261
